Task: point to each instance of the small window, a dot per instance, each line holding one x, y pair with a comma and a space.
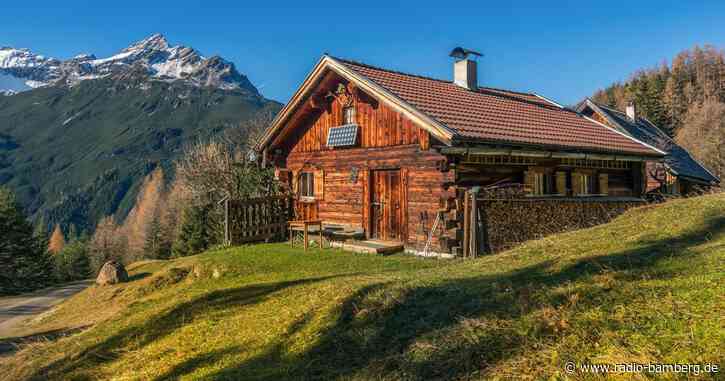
586, 184
348, 115
307, 184
543, 184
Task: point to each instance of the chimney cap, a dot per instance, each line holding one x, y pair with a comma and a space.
463, 53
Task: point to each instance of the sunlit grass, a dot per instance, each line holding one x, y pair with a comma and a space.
647, 287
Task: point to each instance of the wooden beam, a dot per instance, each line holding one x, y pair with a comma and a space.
474, 225
568, 155
452, 150
599, 157
466, 224
488, 151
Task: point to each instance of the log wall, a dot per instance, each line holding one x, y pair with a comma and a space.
345, 201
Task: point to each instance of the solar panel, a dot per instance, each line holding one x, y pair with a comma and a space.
342, 136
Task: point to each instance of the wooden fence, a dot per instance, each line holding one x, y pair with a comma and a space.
256, 219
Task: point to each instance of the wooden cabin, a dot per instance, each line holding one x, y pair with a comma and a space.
393, 155
678, 173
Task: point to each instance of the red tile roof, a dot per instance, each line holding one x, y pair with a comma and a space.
500, 116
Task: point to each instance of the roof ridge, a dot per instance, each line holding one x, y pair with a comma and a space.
507, 90
353, 62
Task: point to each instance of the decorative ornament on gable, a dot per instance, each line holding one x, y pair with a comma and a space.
344, 94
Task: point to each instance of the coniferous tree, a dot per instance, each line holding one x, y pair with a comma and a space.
72, 263
195, 235
41, 233
23, 264
72, 232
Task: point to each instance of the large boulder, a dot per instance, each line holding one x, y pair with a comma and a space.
112, 272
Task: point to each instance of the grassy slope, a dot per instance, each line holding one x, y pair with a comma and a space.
647, 287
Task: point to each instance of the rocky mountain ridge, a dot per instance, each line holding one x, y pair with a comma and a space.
153, 57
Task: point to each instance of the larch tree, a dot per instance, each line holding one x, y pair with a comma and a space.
57, 241
178, 198
149, 204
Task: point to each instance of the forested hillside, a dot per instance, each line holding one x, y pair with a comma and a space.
80, 135
74, 155
685, 98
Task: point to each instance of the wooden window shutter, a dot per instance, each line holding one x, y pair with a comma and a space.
319, 184
576, 183
529, 182
561, 183
603, 183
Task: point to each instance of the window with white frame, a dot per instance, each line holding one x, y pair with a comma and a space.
307, 184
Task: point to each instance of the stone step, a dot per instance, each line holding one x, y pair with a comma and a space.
369, 246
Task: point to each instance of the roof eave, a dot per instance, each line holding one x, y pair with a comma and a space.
290, 106
708, 182
464, 143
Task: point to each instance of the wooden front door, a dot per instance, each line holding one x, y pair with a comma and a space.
386, 209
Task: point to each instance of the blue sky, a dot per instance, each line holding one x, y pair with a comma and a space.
563, 50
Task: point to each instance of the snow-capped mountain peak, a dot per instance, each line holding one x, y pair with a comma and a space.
154, 42
22, 70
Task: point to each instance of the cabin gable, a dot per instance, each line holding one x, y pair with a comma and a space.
378, 125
